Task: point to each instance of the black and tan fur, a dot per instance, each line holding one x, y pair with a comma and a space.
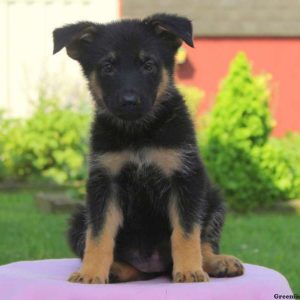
151, 208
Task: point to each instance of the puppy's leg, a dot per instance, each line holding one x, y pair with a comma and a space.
215, 264
220, 265
104, 218
186, 252
98, 253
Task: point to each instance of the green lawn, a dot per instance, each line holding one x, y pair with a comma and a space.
270, 240
28, 234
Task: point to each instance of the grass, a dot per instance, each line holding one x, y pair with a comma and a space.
270, 240
28, 234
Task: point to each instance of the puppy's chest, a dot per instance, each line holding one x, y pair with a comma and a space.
164, 160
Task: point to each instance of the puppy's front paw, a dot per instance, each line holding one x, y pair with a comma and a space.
190, 276
80, 277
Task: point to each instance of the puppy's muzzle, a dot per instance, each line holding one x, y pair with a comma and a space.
130, 100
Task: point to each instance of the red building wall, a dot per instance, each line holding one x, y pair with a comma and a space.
208, 63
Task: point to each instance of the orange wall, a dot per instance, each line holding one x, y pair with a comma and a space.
208, 63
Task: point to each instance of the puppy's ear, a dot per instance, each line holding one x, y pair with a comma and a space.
172, 27
75, 37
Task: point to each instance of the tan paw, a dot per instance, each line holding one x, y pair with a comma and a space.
223, 266
86, 278
190, 276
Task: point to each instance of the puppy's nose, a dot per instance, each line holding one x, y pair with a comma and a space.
130, 99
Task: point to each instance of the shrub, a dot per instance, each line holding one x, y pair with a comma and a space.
3, 126
289, 146
51, 144
236, 145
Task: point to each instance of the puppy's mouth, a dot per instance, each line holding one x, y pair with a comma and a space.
129, 115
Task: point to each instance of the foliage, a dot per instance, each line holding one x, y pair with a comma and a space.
236, 145
289, 146
51, 144
3, 125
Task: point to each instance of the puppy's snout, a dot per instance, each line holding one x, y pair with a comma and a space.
130, 99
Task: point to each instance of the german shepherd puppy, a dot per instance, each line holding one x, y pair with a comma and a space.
151, 208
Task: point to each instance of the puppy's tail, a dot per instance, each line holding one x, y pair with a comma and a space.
77, 231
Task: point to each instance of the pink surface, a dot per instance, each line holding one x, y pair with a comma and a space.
46, 280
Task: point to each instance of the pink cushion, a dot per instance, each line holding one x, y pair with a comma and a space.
46, 280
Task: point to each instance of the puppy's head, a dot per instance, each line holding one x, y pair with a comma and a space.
129, 64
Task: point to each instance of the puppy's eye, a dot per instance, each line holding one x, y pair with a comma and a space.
107, 68
148, 66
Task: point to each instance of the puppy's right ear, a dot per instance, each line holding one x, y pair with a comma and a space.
172, 28
75, 37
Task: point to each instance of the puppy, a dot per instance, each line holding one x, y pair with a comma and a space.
150, 208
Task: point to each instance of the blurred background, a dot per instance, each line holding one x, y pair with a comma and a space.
240, 83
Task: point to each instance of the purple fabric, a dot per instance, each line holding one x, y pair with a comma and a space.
46, 280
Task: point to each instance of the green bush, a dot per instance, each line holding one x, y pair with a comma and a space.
289, 146
51, 144
236, 145
3, 126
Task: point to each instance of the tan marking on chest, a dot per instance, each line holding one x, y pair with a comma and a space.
167, 160
114, 161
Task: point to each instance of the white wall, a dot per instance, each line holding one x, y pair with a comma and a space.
27, 65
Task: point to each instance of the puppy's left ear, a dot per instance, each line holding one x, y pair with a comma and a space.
75, 37
172, 27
